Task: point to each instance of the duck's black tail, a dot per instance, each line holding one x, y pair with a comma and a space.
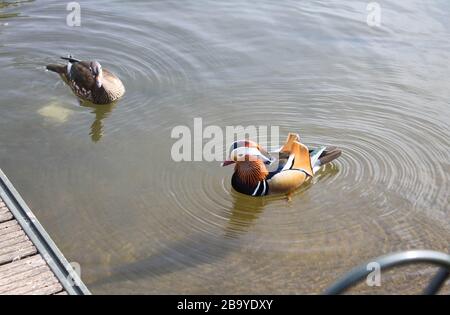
57, 68
70, 59
330, 154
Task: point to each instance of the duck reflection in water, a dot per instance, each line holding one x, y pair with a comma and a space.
244, 213
247, 209
101, 112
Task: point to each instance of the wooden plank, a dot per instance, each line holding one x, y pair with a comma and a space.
30, 275
8, 227
7, 271
12, 238
5, 214
14, 244
48, 289
14, 280
17, 251
40, 283
19, 275
22, 269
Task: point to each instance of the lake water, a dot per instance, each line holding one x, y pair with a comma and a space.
102, 181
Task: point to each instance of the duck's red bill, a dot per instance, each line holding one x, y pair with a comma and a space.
227, 162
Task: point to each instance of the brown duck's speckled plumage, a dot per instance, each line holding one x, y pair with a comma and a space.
82, 82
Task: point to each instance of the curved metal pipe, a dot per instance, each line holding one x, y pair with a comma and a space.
389, 261
437, 282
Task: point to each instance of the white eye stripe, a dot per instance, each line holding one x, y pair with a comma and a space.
245, 151
243, 144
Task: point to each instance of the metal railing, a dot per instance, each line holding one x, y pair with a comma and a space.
398, 259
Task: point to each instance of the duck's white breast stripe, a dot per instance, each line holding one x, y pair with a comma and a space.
289, 163
69, 67
256, 190
264, 189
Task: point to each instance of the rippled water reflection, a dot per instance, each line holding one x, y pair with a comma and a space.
102, 182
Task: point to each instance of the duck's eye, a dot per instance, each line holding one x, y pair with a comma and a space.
240, 154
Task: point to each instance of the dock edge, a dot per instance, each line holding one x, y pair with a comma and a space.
62, 269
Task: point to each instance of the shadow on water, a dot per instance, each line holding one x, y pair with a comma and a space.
196, 250
202, 249
101, 112
187, 253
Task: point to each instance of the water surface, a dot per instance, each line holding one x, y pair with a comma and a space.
102, 182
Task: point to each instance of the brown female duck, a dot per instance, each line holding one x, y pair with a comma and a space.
89, 81
258, 173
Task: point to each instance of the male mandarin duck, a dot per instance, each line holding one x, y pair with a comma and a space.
257, 173
89, 81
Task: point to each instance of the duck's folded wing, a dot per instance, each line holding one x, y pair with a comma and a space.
299, 159
293, 171
298, 154
288, 144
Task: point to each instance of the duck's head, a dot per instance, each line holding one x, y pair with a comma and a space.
246, 151
97, 73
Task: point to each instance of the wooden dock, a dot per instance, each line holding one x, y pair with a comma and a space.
30, 262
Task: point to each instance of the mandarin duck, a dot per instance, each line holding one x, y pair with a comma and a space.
89, 81
258, 173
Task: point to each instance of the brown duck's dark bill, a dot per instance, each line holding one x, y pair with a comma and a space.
227, 162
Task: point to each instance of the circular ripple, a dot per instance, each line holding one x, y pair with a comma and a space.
148, 221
